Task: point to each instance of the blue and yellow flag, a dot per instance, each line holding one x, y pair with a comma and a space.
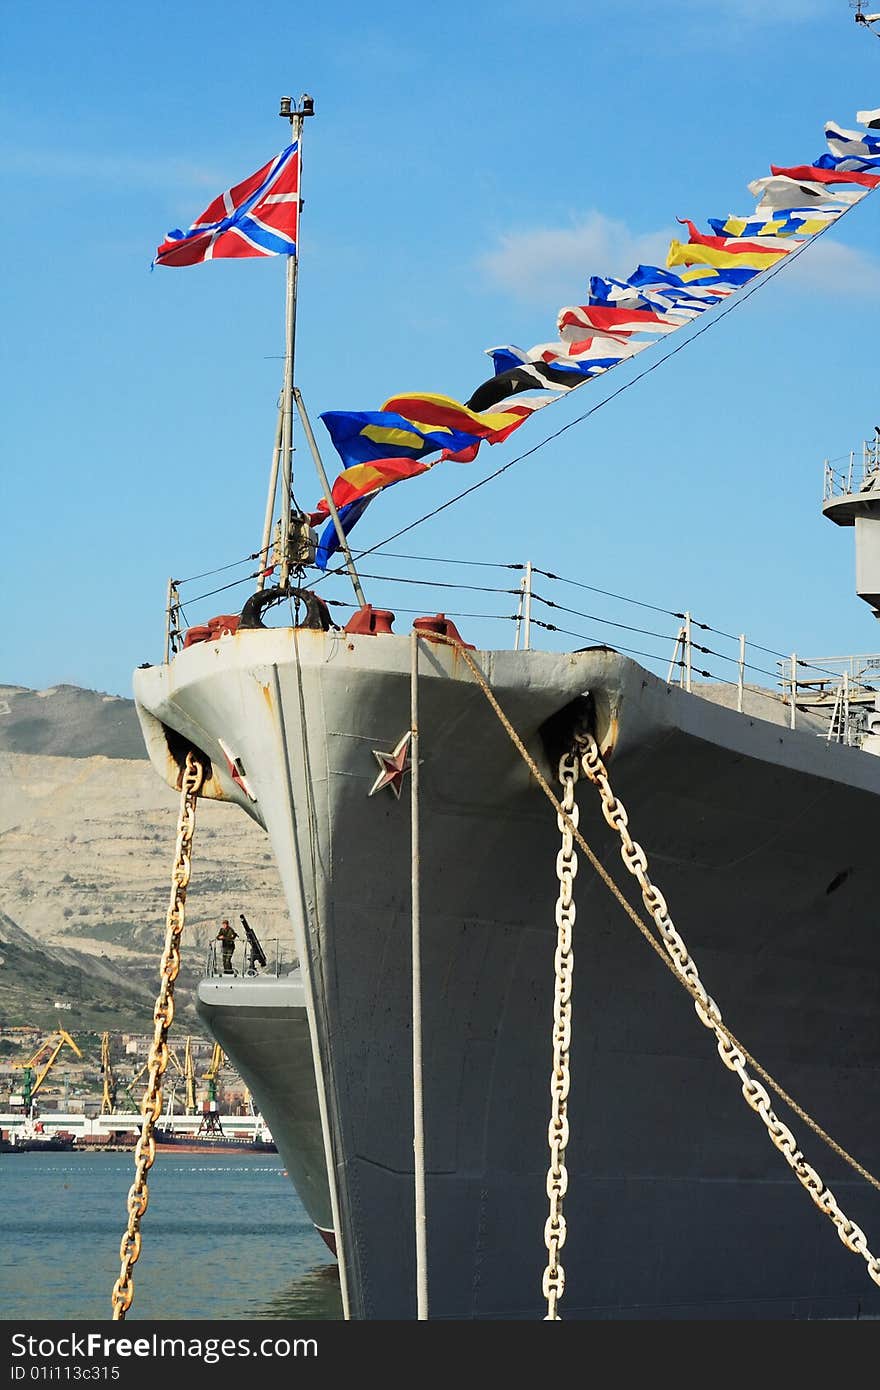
794, 222
363, 436
381, 448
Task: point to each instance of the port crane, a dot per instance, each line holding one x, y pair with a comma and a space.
211, 1111
38, 1066
215, 1066
189, 1076
188, 1073
108, 1075
181, 1071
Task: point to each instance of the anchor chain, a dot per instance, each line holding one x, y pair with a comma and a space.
163, 1014
675, 957
709, 1014
553, 1284
672, 950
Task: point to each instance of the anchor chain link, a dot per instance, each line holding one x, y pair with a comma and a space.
553, 1284
754, 1094
672, 950
163, 1015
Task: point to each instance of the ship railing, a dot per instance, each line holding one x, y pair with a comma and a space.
688, 655
280, 960
540, 601
843, 691
846, 689
174, 633
860, 473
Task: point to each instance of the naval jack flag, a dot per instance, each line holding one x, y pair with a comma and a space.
258, 217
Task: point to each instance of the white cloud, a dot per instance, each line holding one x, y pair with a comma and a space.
829, 266
553, 265
549, 264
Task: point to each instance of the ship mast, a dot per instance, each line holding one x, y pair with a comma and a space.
295, 113
294, 545
871, 21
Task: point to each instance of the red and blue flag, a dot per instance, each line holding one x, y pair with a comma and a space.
257, 217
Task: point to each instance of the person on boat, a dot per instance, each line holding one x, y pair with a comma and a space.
227, 936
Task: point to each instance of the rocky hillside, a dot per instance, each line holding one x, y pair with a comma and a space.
34, 980
86, 845
70, 722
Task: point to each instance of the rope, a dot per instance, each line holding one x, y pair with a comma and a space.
638, 921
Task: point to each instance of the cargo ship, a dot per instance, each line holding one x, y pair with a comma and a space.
31, 1136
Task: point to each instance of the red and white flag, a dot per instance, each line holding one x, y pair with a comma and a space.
258, 217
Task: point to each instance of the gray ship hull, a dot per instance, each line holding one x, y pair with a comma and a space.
763, 841
262, 1025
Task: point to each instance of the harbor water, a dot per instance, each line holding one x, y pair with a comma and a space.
224, 1237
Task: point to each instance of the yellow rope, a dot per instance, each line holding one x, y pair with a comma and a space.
634, 916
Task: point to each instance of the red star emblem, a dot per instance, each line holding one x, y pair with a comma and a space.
236, 770
392, 766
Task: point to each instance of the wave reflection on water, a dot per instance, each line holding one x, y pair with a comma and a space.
315, 1294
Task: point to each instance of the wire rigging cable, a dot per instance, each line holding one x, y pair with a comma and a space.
711, 320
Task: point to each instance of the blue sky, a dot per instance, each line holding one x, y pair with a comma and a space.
469, 167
